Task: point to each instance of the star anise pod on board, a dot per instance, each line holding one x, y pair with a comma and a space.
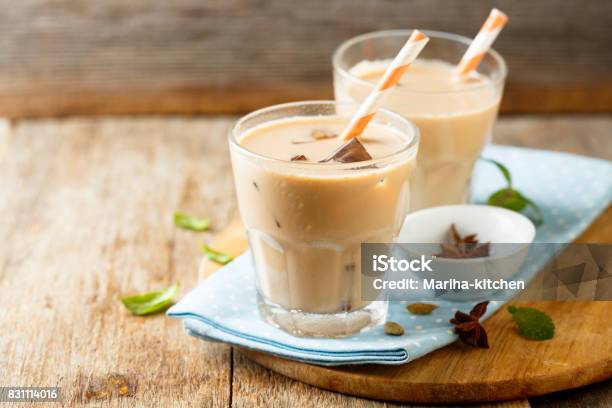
462, 247
468, 327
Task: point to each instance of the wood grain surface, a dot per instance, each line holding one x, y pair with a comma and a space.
513, 368
87, 217
87, 209
66, 57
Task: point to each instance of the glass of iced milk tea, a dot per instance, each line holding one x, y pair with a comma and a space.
306, 219
455, 118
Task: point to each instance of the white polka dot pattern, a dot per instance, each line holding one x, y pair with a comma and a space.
570, 190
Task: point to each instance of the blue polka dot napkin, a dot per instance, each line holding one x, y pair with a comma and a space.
570, 190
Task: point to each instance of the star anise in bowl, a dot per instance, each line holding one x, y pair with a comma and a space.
459, 247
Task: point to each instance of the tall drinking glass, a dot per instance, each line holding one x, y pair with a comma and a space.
455, 119
306, 220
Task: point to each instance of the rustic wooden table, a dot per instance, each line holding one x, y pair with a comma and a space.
87, 210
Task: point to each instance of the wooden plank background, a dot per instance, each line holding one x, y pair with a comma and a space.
61, 57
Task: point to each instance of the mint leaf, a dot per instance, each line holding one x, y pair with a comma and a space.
536, 214
513, 199
504, 170
150, 302
190, 222
508, 198
532, 323
215, 256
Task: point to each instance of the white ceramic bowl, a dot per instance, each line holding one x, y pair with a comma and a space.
509, 233
492, 224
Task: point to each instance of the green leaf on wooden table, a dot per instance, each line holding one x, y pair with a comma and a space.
189, 222
150, 302
532, 323
513, 199
215, 256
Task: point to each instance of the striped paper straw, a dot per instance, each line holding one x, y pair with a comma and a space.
390, 78
481, 43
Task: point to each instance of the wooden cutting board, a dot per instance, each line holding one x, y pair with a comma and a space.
513, 368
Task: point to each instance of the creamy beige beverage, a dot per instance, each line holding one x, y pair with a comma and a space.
455, 120
306, 220
316, 138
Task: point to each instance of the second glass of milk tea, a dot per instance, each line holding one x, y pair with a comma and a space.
455, 118
306, 217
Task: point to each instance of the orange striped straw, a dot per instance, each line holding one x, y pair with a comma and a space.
481, 43
387, 83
